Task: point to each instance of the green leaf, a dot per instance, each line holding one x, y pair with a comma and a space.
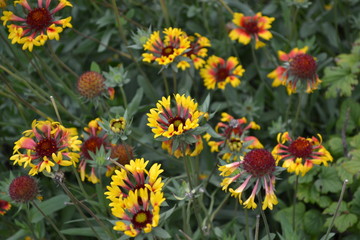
85, 231
313, 222
284, 216
345, 221
336, 146
308, 193
148, 88
353, 166
328, 237
48, 207
105, 40
135, 102
339, 80
332, 208
355, 203
95, 67
328, 181
161, 233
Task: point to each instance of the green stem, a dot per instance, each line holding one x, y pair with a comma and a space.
294, 202
166, 84
297, 114
165, 12
123, 96
222, 2
337, 209
247, 229
60, 62
48, 219
293, 30
264, 217
213, 215
28, 221
257, 227
174, 81
56, 109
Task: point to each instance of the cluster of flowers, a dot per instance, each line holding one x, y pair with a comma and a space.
179, 48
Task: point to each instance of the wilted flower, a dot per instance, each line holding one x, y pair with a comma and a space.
47, 145
136, 195
95, 139
196, 52
233, 141
219, 72
121, 153
36, 25
257, 167
301, 154
165, 51
4, 206
92, 84
23, 189
178, 124
251, 27
298, 68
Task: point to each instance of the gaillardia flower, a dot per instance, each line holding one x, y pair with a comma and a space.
177, 125
4, 206
46, 146
299, 68
136, 195
36, 24
164, 52
196, 52
95, 139
257, 167
301, 154
233, 141
218, 72
251, 27
2, 5
23, 189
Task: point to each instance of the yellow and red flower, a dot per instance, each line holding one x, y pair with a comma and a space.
95, 139
46, 146
251, 27
257, 167
36, 25
136, 195
232, 139
301, 154
174, 123
164, 51
298, 66
218, 72
4, 206
196, 52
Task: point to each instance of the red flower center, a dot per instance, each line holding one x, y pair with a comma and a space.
39, 18
194, 49
91, 145
303, 66
221, 74
250, 24
167, 51
46, 147
23, 189
259, 162
141, 219
300, 148
176, 121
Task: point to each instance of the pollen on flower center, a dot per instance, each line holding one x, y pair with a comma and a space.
251, 25
222, 74
46, 147
176, 121
39, 18
141, 219
303, 66
167, 51
300, 148
259, 162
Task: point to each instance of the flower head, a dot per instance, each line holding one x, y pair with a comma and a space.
177, 125
121, 153
196, 52
233, 141
257, 167
2, 3
118, 125
164, 51
46, 146
91, 84
95, 140
298, 69
23, 189
37, 24
251, 27
299, 155
4, 206
136, 195
218, 72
